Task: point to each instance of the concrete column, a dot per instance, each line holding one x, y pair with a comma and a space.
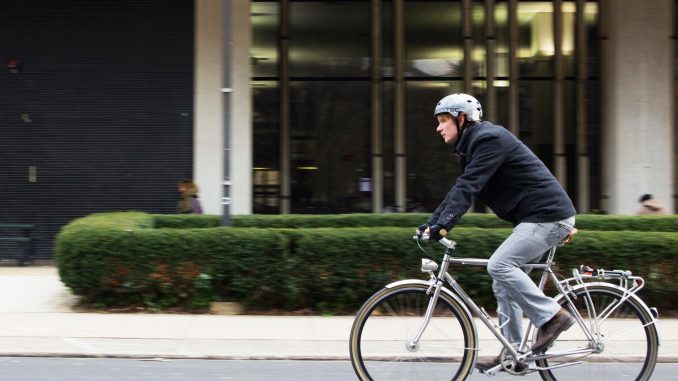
285, 108
490, 107
559, 155
638, 96
208, 120
513, 105
377, 146
583, 162
241, 108
399, 146
208, 135
467, 30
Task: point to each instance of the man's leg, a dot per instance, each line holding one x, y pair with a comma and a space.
509, 313
515, 290
527, 242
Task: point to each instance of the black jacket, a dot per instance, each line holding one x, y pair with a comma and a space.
503, 173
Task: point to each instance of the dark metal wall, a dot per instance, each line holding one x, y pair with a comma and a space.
101, 108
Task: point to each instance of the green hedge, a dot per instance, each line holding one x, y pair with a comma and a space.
121, 265
409, 220
120, 260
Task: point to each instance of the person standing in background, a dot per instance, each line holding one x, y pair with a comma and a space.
650, 205
188, 201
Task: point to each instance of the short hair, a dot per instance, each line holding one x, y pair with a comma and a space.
645, 197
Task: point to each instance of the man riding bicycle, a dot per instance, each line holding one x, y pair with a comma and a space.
501, 171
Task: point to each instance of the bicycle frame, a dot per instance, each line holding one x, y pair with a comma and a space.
564, 289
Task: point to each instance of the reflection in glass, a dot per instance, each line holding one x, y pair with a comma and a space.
502, 31
479, 47
265, 149
434, 39
431, 165
330, 96
264, 49
536, 118
535, 22
329, 39
330, 147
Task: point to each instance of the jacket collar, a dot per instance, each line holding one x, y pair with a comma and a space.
462, 143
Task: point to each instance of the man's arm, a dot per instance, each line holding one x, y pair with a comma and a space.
487, 156
434, 217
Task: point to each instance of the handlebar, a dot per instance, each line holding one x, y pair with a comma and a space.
450, 244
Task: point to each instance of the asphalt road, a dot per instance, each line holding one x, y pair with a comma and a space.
95, 369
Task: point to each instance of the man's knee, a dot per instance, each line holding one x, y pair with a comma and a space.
497, 268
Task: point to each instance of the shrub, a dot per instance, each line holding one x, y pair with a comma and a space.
119, 265
118, 260
407, 220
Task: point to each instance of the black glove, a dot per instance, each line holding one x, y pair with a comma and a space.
435, 231
421, 229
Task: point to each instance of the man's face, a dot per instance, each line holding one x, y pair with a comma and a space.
447, 128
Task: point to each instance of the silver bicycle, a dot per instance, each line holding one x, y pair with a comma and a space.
422, 330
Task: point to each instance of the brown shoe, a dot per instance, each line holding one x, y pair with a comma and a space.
550, 331
485, 365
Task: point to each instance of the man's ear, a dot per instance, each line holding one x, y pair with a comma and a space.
462, 119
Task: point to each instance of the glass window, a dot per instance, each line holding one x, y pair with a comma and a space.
264, 49
479, 45
266, 152
432, 166
330, 59
433, 39
536, 118
535, 50
330, 146
502, 48
329, 39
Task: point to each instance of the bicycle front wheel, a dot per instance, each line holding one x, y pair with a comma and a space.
626, 342
381, 338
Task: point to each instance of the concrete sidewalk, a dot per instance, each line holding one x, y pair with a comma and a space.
37, 320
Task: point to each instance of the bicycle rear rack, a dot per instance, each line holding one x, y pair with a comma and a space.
624, 277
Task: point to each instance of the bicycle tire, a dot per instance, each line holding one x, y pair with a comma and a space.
391, 317
629, 335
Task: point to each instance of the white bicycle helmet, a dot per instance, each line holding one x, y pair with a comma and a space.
457, 103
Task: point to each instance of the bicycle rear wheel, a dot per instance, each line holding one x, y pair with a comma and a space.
392, 317
624, 327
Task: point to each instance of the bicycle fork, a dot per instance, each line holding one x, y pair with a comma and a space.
436, 286
413, 344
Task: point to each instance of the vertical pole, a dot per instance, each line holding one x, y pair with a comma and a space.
513, 105
560, 164
377, 99
674, 190
467, 26
467, 30
284, 99
606, 149
399, 106
227, 90
490, 61
583, 193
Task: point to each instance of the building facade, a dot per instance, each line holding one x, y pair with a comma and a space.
323, 106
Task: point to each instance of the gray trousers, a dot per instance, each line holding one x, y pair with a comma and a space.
514, 289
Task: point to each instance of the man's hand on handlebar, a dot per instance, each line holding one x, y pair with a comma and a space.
422, 230
428, 232
436, 232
